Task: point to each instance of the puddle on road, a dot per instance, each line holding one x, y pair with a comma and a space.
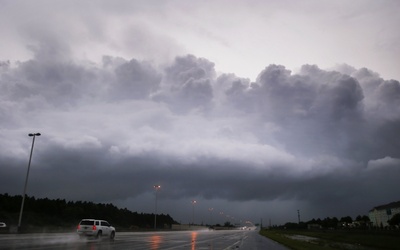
302, 238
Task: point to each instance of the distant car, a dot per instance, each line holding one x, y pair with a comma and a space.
95, 228
3, 227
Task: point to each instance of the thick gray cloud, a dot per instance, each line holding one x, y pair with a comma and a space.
187, 84
122, 126
151, 111
134, 80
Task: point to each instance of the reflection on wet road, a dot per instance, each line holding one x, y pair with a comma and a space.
155, 241
193, 240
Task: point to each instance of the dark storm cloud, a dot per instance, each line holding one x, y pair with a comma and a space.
323, 137
188, 84
135, 80
314, 112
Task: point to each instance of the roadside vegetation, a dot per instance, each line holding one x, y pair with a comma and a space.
335, 239
332, 233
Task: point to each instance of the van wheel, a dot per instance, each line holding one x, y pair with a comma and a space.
112, 235
98, 236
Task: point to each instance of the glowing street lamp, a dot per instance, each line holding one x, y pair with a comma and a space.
26, 179
156, 187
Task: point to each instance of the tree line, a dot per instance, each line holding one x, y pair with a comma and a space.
360, 222
59, 213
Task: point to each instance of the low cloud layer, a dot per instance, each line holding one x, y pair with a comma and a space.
327, 139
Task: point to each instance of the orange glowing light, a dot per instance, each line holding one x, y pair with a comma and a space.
155, 242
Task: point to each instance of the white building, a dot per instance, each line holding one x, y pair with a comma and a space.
380, 215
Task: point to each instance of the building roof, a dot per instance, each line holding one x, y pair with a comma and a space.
395, 204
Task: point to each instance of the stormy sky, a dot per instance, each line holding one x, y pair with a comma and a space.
256, 109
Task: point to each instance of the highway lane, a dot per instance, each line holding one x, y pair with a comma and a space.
192, 240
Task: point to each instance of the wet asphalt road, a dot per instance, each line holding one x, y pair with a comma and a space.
192, 240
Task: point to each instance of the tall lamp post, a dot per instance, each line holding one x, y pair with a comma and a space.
156, 187
26, 180
193, 203
210, 210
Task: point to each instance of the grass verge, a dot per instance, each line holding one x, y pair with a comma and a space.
335, 239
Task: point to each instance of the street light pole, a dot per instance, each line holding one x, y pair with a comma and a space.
193, 202
156, 187
26, 180
210, 209
298, 215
